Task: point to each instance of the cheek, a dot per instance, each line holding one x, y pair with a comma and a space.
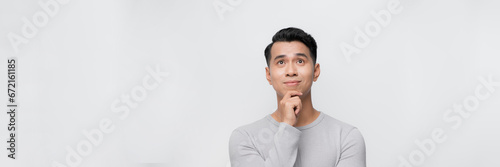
276, 76
306, 71
307, 76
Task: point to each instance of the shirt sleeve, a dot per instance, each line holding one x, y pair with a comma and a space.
353, 152
283, 152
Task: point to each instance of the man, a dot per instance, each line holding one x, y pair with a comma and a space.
295, 134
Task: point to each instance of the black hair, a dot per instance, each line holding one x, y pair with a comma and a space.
292, 34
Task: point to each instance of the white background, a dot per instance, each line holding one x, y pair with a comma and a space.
396, 90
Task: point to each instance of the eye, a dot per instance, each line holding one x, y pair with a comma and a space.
281, 62
300, 61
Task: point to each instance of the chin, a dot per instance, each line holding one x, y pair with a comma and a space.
283, 92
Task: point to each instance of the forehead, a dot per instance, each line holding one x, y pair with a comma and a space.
289, 49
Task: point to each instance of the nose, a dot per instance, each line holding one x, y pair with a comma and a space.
291, 70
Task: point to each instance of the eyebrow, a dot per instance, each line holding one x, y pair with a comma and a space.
297, 54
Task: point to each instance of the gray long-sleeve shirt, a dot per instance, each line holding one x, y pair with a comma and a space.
326, 142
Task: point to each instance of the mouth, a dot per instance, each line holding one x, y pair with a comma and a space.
292, 83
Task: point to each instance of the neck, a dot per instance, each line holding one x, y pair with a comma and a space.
307, 114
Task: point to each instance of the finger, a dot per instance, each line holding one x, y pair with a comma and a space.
295, 100
297, 104
297, 110
294, 93
287, 95
299, 107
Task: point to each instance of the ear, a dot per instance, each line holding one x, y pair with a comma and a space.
316, 72
268, 75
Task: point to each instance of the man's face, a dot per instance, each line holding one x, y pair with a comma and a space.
291, 68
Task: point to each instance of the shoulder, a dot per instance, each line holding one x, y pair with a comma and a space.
350, 142
346, 130
333, 122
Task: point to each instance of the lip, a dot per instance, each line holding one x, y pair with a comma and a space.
292, 83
